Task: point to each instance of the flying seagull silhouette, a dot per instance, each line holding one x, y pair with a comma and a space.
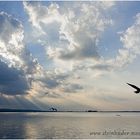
135, 87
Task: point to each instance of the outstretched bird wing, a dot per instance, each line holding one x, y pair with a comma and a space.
138, 89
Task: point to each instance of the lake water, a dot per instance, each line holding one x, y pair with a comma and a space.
69, 125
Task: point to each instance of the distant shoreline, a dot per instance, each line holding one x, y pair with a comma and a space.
31, 110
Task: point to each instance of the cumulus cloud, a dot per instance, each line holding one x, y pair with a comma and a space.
126, 54
20, 72
17, 67
71, 32
71, 35
131, 43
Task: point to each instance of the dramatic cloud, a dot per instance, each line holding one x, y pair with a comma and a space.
70, 32
126, 54
70, 35
17, 67
20, 73
13, 81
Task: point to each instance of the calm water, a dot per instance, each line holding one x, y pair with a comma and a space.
69, 125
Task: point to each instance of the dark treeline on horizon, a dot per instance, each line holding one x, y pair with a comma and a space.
35, 110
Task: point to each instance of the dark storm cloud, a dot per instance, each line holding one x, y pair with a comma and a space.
12, 81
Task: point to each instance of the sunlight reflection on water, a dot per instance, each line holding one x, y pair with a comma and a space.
69, 125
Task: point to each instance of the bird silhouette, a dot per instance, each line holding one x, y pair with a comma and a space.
135, 87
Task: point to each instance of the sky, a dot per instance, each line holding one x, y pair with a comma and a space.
69, 55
